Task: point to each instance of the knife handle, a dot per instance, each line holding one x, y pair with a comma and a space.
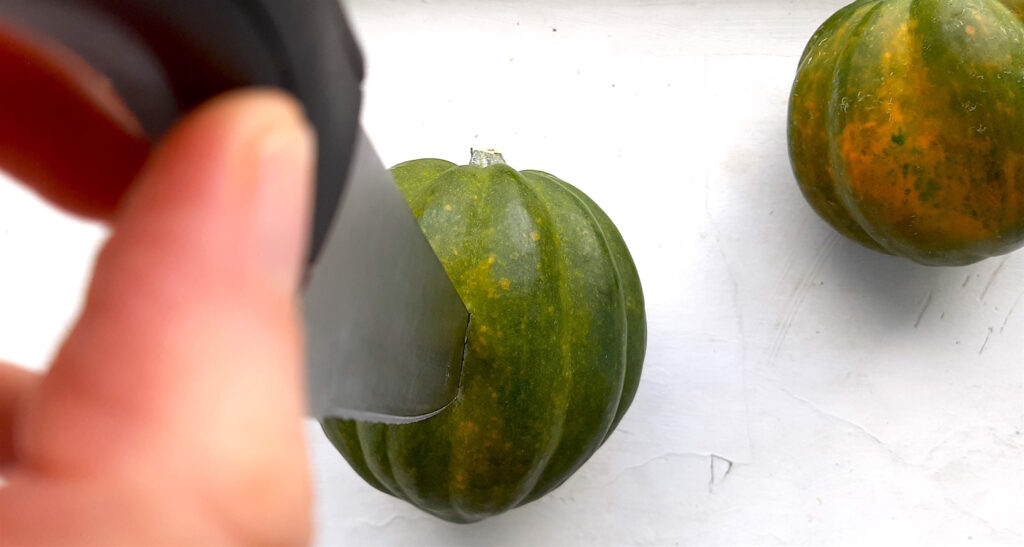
165, 57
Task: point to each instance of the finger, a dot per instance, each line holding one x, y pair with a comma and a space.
14, 384
188, 356
37, 511
64, 130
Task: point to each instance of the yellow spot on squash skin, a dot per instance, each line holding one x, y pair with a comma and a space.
535, 236
505, 283
482, 340
969, 29
551, 309
483, 329
490, 260
448, 207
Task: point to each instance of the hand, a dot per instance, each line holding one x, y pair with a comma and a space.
172, 413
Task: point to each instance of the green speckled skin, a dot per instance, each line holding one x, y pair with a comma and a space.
556, 344
906, 127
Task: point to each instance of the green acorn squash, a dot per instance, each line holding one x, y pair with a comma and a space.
556, 345
906, 127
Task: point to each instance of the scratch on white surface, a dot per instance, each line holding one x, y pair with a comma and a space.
966, 281
985, 344
737, 306
940, 445
800, 291
389, 522
718, 474
958, 440
992, 280
1009, 314
997, 531
924, 309
857, 427
737, 309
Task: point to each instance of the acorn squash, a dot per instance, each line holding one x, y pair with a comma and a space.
906, 127
556, 344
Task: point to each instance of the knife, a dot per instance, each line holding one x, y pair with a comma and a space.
386, 329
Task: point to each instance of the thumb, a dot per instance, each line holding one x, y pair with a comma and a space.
187, 358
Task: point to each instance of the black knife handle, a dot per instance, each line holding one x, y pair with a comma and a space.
167, 56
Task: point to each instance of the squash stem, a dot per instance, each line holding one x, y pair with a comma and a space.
486, 158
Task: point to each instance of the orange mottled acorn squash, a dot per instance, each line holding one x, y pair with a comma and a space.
556, 345
906, 127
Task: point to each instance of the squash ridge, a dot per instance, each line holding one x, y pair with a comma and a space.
594, 222
839, 84
528, 192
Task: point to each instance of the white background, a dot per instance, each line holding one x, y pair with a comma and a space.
798, 389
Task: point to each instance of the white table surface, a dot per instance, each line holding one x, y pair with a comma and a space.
798, 389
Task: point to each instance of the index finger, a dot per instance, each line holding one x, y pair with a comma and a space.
63, 130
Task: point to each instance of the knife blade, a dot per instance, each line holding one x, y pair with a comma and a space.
386, 330
385, 327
